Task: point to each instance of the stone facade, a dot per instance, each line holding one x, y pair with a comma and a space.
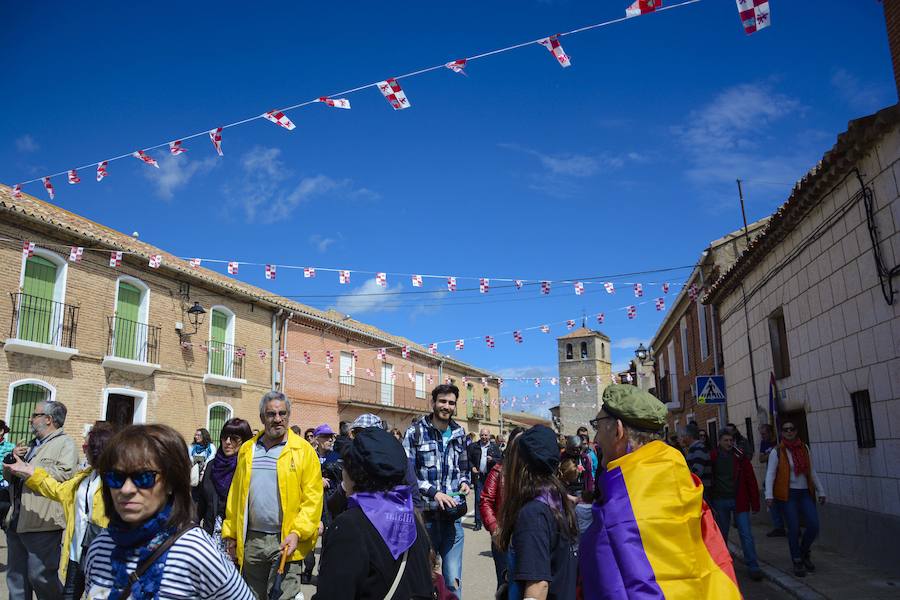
583, 353
815, 268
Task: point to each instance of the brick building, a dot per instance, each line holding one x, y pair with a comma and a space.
687, 343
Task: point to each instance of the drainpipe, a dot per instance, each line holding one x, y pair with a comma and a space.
284, 346
275, 316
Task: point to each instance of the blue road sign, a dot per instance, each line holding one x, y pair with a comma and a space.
711, 389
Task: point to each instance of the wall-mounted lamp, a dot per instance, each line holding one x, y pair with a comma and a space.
642, 354
195, 316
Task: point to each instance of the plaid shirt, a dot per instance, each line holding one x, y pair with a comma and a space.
438, 468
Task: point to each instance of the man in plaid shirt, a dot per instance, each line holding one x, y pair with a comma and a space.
436, 446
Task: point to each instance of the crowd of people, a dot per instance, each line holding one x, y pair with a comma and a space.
148, 515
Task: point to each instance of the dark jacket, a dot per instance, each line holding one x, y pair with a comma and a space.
492, 498
209, 504
356, 563
746, 490
474, 452
336, 501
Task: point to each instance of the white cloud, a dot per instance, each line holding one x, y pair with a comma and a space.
320, 242
859, 96
176, 171
267, 193
368, 298
26, 144
630, 343
534, 371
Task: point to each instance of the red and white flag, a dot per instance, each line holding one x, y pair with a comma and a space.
262, 354
73, 177
232, 268
632, 311
309, 272
519, 283
638, 290
517, 336
545, 287
17, 190
432, 348
489, 340
75, 253
610, 287
693, 292
370, 372
754, 15
451, 284
143, 156
570, 324
101, 170
404, 351
175, 148
460, 344
381, 279
552, 44
545, 329
417, 281
394, 94
344, 277
457, 66
155, 261
215, 136
393, 376
642, 7
195, 263
279, 118
282, 356
27, 249
240, 352
382, 353
660, 303
329, 357
579, 288
49, 187
499, 382
600, 318
355, 355
553, 381
336, 102
410, 377
484, 284
665, 287
115, 259
537, 382
307, 357
429, 378
271, 271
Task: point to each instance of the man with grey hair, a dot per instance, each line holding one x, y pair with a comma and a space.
696, 455
275, 502
35, 527
483, 455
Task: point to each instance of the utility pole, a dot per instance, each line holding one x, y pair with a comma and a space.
746, 310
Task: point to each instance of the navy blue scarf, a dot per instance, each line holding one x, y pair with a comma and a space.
145, 539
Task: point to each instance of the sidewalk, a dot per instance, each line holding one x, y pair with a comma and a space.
837, 577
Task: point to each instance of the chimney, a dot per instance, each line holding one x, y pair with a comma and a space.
892, 20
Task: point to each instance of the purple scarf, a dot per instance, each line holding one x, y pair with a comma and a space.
391, 513
221, 469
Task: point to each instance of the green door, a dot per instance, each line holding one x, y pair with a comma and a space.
217, 417
125, 328
217, 362
25, 398
37, 319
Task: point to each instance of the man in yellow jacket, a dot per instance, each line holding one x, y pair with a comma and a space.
275, 501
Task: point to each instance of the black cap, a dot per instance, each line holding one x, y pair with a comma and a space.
540, 449
378, 453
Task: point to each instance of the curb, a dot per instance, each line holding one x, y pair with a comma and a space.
788, 583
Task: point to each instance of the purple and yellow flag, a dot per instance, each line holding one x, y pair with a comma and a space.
653, 537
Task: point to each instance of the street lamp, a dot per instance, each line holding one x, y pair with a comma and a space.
195, 315
642, 353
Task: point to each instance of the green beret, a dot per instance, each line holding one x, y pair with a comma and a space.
636, 408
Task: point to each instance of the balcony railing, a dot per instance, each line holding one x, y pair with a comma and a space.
43, 321
475, 409
225, 360
368, 391
132, 340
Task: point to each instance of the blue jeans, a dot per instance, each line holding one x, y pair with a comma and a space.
447, 541
500, 566
723, 508
777, 517
800, 502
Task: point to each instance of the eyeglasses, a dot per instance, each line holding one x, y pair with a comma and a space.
33, 415
596, 422
143, 480
789, 429
271, 414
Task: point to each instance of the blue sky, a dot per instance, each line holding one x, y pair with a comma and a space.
624, 162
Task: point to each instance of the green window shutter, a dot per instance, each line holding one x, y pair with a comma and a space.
25, 398
217, 417
217, 361
38, 315
125, 330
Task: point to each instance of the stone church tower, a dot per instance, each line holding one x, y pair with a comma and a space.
582, 353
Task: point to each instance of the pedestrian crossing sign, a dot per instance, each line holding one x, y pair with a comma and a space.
711, 389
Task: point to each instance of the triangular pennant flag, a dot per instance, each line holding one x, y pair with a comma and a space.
215, 136
17, 190
336, 102
143, 156
232, 268
417, 281
309, 272
279, 118
73, 177
552, 44
457, 66
49, 187
451, 284
101, 170
642, 7
381, 279
754, 15
115, 259
195, 263
175, 148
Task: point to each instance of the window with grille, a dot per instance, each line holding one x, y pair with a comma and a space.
569, 352
862, 417
217, 417
420, 384
25, 397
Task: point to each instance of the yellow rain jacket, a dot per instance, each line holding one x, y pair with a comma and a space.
64, 493
299, 487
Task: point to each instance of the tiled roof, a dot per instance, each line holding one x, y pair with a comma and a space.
583, 332
95, 235
837, 163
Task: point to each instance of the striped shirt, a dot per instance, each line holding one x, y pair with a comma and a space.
194, 568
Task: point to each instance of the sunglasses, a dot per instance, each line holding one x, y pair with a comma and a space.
143, 480
789, 429
596, 422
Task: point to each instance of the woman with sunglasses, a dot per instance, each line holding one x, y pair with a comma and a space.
213, 490
147, 495
82, 505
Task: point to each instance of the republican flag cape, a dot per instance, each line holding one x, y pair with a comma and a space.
653, 537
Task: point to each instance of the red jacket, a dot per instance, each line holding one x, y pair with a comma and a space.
492, 498
746, 490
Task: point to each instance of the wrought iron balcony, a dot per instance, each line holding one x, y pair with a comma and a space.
375, 393
225, 365
42, 327
132, 346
